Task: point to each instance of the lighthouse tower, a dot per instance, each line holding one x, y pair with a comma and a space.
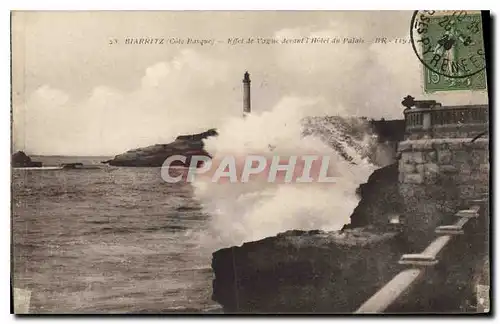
246, 94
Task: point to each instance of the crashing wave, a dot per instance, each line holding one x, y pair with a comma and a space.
351, 137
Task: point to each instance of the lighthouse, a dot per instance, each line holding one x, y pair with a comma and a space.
246, 94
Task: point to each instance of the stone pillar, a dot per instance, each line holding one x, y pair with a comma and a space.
426, 124
426, 120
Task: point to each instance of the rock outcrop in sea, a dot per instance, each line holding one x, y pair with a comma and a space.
155, 155
21, 160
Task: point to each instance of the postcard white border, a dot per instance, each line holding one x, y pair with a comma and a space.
8, 5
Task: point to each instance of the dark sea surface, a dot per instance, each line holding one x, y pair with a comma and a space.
109, 240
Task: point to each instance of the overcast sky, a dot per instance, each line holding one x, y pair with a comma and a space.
76, 94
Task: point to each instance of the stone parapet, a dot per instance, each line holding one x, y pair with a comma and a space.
446, 122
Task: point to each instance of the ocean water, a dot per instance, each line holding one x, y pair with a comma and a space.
110, 240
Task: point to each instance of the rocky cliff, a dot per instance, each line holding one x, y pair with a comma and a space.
379, 198
305, 272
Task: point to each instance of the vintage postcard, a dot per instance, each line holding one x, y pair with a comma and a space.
250, 162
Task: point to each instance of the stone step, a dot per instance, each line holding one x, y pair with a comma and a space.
418, 260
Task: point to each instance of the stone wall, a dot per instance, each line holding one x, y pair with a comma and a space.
437, 177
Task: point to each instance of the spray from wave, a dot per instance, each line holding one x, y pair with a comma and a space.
251, 211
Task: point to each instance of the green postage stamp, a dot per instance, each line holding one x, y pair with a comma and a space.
450, 46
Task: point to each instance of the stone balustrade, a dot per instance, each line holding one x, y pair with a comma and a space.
446, 122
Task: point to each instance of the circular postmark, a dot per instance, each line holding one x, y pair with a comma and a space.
449, 43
